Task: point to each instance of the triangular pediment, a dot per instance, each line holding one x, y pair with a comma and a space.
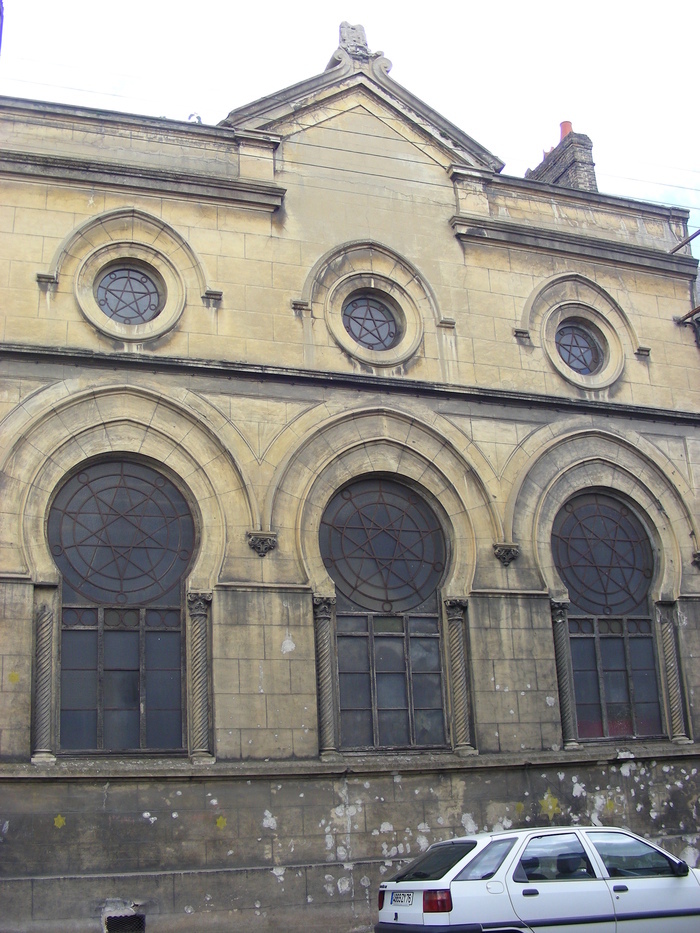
351, 82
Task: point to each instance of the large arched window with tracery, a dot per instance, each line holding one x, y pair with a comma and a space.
605, 558
122, 535
385, 550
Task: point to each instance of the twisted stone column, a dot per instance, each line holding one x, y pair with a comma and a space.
324, 607
198, 606
42, 681
666, 617
461, 712
565, 677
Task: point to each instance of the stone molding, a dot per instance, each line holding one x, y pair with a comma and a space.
482, 229
257, 196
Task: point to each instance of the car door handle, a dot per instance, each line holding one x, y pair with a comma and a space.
620, 888
530, 892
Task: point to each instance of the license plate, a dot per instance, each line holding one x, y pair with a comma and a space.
405, 898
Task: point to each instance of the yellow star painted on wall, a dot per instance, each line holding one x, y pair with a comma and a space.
221, 822
14, 677
59, 821
549, 805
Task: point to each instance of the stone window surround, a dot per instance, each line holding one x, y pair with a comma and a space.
98, 262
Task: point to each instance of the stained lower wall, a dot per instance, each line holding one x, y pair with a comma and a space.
297, 847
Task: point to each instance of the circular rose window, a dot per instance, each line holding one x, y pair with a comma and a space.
579, 347
130, 294
382, 545
371, 322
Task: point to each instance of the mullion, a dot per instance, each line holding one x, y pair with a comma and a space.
373, 681
100, 676
601, 681
143, 700
630, 677
409, 681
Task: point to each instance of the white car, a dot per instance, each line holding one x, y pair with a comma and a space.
579, 879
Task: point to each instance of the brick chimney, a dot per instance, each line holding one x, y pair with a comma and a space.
570, 164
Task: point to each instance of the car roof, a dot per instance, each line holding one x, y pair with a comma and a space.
538, 830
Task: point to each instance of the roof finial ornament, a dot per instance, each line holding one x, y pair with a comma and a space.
354, 40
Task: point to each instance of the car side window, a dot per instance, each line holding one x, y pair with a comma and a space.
553, 858
627, 857
487, 862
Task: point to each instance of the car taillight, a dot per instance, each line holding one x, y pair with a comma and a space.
437, 902
381, 899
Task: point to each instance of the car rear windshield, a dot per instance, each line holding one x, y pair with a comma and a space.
487, 862
436, 862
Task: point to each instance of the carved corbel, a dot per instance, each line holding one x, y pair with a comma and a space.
506, 551
262, 542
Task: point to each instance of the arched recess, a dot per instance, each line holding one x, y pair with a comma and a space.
595, 460
573, 298
66, 430
377, 441
368, 266
127, 225
132, 238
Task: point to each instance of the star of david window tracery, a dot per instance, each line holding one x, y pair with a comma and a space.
579, 348
129, 294
605, 558
385, 550
122, 536
371, 322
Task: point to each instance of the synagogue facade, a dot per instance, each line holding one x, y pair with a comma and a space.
350, 500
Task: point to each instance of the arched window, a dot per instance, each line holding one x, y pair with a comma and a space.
122, 536
605, 558
385, 550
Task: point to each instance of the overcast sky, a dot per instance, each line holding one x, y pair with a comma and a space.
625, 73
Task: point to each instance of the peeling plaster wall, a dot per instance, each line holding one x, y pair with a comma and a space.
296, 853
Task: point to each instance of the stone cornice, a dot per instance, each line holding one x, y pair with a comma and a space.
353, 381
512, 184
253, 195
481, 229
136, 769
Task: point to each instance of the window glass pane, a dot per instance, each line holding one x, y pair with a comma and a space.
612, 654
387, 624
434, 863
121, 728
163, 690
389, 654
122, 651
487, 862
590, 720
351, 623
648, 718
425, 654
422, 626
163, 651
79, 650
554, 858
355, 691
625, 856
78, 729
391, 691
430, 727
393, 727
427, 691
164, 728
352, 654
121, 689
78, 689
356, 728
